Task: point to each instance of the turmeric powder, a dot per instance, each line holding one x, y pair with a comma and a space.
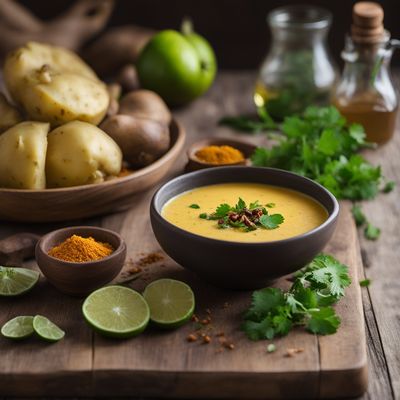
220, 155
79, 249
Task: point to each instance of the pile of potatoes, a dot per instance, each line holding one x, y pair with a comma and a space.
50, 137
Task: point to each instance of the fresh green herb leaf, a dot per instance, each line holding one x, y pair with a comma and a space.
270, 205
264, 301
203, 216
326, 275
240, 206
254, 205
323, 321
271, 348
271, 221
371, 232
365, 282
389, 186
320, 284
222, 210
195, 206
358, 215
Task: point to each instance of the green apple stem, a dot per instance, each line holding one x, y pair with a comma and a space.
187, 26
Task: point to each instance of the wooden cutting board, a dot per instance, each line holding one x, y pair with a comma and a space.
163, 364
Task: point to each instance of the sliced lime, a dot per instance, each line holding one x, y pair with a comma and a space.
16, 281
171, 302
46, 329
116, 311
18, 328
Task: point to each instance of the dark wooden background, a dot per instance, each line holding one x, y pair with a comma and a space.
236, 28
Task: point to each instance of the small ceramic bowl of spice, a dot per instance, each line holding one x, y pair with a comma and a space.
217, 152
80, 259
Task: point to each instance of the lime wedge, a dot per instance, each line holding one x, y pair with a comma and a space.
171, 302
116, 311
46, 329
16, 281
18, 328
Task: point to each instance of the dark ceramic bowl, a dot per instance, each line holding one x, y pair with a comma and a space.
236, 265
75, 278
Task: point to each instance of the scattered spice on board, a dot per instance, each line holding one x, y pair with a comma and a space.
80, 249
292, 352
149, 259
220, 155
205, 331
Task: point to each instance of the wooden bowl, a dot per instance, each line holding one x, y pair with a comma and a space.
88, 200
195, 164
74, 278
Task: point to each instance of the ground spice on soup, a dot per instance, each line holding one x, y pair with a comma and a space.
79, 249
219, 155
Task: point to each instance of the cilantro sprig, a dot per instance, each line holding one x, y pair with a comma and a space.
322, 146
308, 302
245, 217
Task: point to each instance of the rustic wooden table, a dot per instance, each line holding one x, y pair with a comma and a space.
231, 94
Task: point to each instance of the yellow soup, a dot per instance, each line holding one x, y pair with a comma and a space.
301, 213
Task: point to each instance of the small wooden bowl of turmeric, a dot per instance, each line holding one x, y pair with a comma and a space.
217, 152
80, 259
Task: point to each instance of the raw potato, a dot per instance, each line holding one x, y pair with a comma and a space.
141, 140
145, 104
53, 84
23, 156
79, 153
9, 115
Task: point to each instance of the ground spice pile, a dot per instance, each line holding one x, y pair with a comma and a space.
79, 249
219, 155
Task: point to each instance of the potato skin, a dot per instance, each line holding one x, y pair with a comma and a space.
80, 153
53, 84
145, 104
141, 140
23, 155
9, 115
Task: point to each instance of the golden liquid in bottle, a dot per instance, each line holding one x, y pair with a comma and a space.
262, 95
379, 125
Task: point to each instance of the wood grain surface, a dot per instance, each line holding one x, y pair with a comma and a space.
230, 95
164, 364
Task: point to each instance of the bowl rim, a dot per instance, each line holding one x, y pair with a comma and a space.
179, 141
332, 217
73, 229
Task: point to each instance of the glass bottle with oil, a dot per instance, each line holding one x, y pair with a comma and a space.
298, 70
365, 93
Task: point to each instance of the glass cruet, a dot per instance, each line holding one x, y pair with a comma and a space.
365, 93
298, 70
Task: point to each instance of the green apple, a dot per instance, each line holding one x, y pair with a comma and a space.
178, 66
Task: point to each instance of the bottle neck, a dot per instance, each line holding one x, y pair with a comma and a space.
298, 38
366, 61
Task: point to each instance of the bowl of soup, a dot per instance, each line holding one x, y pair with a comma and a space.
243, 227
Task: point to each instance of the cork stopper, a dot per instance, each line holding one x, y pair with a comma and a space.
367, 27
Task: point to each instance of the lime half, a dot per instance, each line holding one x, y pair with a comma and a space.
116, 311
18, 328
16, 281
46, 329
171, 302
